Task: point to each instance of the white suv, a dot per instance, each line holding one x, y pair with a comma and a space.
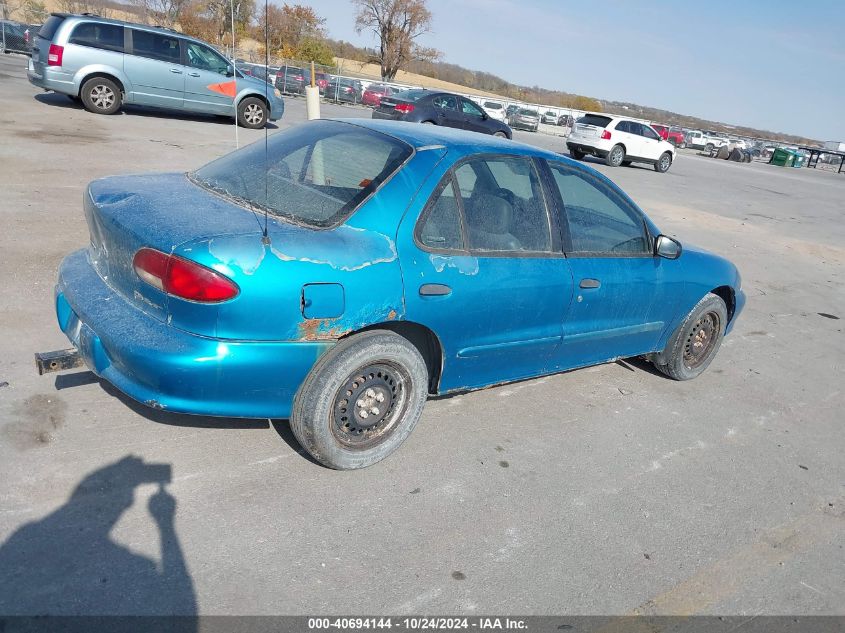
619, 141
494, 110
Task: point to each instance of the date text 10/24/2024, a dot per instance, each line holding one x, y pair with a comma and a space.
416, 623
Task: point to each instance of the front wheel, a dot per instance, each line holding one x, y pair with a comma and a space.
101, 95
694, 344
709, 148
615, 156
361, 400
500, 134
663, 163
252, 113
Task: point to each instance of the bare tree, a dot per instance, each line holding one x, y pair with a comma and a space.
163, 12
397, 24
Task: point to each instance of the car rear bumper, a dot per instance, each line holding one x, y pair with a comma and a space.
586, 148
167, 368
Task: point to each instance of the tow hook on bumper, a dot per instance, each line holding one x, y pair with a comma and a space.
46, 362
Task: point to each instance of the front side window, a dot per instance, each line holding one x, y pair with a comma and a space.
204, 58
158, 46
107, 37
502, 206
650, 133
470, 108
315, 174
599, 219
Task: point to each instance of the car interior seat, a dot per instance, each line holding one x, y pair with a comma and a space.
489, 221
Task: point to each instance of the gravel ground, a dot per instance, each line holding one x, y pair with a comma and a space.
603, 491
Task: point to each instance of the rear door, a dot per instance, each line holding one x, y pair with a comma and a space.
155, 69
447, 112
208, 85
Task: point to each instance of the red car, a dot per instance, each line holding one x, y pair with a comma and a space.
673, 135
375, 92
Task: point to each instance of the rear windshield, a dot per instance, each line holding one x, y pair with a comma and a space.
48, 29
595, 119
412, 95
315, 174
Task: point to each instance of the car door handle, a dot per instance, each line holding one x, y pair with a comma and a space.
176, 71
435, 290
193, 74
590, 283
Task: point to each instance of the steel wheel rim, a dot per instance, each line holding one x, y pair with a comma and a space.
102, 97
702, 339
253, 114
370, 404
617, 156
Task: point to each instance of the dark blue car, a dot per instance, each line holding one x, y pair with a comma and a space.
399, 261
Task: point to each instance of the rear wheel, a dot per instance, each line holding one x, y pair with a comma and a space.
694, 344
361, 400
709, 148
252, 113
615, 156
101, 95
663, 163
577, 155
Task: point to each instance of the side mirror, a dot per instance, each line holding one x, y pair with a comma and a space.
484, 116
230, 70
667, 247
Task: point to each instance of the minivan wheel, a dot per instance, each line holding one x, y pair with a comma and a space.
252, 113
361, 400
663, 163
615, 156
101, 95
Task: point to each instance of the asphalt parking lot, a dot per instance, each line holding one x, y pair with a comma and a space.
608, 490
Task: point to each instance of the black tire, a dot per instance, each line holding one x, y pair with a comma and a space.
339, 436
709, 147
101, 95
252, 113
574, 153
615, 156
663, 163
500, 134
694, 344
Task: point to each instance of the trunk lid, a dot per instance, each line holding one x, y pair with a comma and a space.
160, 211
388, 106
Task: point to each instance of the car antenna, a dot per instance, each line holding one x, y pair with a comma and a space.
265, 238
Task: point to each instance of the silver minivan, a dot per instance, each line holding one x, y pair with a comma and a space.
107, 63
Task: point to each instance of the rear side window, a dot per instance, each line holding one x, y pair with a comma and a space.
447, 102
49, 28
595, 119
108, 37
441, 229
156, 46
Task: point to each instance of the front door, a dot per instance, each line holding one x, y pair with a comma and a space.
475, 120
651, 143
208, 85
621, 296
155, 69
483, 270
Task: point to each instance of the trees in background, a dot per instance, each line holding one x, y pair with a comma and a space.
397, 24
163, 12
294, 32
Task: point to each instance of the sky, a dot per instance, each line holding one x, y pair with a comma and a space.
771, 64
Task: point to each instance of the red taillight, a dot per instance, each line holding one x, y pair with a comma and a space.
605, 135
182, 277
404, 108
54, 55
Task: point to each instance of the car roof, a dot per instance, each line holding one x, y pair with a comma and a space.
420, 136
90, 17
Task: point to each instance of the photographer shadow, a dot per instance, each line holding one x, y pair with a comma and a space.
67, 564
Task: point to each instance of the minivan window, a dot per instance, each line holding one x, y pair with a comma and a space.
595, 119
156, 46
108, 37
204, 58
49, 28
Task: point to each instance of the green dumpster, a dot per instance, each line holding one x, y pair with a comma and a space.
783, 157
800, 160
